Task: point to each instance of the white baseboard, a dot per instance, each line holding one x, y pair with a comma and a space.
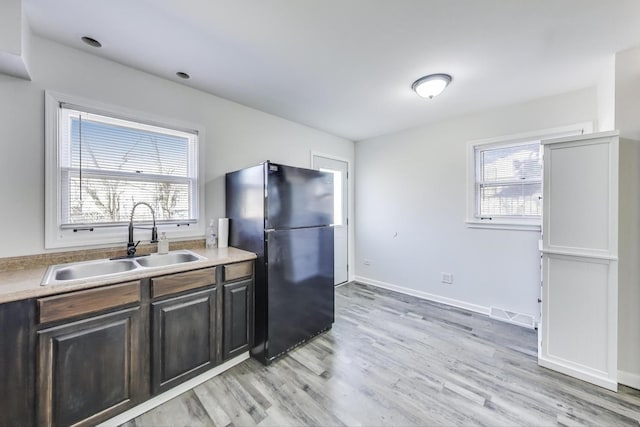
174, 392
425, 295
573, 371
629, 379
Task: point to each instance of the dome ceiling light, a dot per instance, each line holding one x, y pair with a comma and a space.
431, 85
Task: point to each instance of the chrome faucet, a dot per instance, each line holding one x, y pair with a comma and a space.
131, 246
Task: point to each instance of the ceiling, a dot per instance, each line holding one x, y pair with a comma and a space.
346, 66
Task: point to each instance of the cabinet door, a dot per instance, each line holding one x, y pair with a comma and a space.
184, 338
17, 370
580, 250
89, 370
237, 318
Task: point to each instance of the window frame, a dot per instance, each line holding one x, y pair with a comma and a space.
523, 223
58, 236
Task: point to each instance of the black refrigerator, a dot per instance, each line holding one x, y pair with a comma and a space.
283, 214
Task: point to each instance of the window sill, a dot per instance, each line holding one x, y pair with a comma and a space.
504, 225
110, 236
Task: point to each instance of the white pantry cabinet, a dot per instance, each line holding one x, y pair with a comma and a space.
579, 324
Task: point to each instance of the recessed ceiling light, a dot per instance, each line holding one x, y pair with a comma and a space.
183, 75
431, 85
91, 41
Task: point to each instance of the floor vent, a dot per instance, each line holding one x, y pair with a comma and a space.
512, 317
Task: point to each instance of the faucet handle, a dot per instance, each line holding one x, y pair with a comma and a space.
131, 248
154, 234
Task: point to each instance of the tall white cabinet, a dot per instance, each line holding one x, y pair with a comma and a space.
579, 324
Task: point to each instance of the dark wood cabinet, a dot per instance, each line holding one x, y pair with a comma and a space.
90, 369
17, 366
82, 357
237, 320
184, 338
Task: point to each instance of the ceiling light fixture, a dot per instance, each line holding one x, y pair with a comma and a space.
183, 75
431, 85
91, 41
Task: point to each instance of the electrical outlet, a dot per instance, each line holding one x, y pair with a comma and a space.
446, 278
366, 262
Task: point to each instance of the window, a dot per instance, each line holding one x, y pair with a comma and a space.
505, 179
102, 162
509, 181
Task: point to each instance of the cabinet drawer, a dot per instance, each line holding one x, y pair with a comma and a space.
84, 302
238, 270
179, 282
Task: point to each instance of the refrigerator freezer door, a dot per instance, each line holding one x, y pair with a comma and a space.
298, 197
300, 291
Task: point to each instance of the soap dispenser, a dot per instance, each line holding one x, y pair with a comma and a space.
163, 244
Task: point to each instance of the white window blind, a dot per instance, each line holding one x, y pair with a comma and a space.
509, 181
107, 164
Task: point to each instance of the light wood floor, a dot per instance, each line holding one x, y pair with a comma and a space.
394, 360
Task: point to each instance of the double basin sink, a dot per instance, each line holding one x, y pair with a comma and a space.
63, 273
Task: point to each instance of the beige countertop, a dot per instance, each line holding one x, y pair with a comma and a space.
22, 284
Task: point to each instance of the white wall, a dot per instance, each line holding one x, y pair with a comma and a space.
11, 26
235, 136
627, 102
413, 183
607, 96
627, 88
14, 39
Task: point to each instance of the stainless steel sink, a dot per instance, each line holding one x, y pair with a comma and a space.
63, 273
171, 258
91, 269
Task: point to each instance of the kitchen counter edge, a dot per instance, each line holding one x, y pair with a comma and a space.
24, 284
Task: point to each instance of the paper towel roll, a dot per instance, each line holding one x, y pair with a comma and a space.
223, 232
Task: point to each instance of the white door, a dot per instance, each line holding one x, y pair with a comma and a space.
339, 169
